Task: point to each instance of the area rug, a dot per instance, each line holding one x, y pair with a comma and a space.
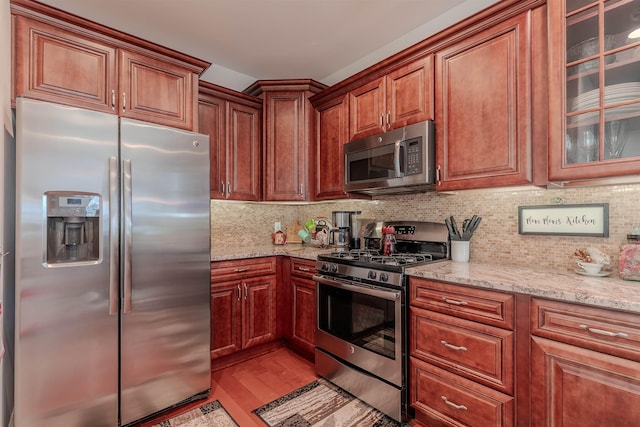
207, 415
322, 404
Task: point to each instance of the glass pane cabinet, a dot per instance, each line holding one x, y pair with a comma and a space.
594, 88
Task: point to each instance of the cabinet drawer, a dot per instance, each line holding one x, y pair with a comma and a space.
303, 267
603, 330
228, 270
479, 305
479, 352
449, 399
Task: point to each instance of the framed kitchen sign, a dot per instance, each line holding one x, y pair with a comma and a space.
565, 220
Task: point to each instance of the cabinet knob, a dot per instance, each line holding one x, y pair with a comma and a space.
113, 100
124, 102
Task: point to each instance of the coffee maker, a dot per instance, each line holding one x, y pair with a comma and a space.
342, 233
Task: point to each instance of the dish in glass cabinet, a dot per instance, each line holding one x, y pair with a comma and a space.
599, 274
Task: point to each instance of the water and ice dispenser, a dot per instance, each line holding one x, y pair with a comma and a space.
73, 227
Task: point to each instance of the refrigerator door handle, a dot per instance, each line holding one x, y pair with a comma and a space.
114, 265
126, 200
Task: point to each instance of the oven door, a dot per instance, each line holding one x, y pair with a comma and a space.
362, 325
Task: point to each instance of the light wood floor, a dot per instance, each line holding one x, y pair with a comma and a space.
244, 387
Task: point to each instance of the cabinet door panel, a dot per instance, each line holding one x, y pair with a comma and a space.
304, 313
56, 65
225, 319
259, 313
244, 153
155, 91
410, 94
285, 156
331, 135
577, 387
366, 106
483, 108
211, 121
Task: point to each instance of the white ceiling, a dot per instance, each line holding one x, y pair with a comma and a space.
249, 40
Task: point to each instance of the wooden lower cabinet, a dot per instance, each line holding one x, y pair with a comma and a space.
243, 305
462, 347
585, 365
573, 386
302, 332
243, 314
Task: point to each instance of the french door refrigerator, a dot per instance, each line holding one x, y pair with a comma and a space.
112, 267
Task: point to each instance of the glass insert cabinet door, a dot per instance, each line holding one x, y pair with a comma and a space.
601, 74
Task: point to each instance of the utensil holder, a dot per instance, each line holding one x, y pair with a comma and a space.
460, 250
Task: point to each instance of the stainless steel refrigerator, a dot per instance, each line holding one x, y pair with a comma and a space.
112, 267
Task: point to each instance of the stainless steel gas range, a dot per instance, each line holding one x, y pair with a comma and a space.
362, 336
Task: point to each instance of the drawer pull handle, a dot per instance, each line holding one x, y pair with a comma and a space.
240, 270
453, 405
603, 332
304, 269
453, 347
453, 301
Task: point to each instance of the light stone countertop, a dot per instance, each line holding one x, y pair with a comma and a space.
606, 292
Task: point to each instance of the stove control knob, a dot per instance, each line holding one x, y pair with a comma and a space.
324, 267
372, 274
384, 277
333, 268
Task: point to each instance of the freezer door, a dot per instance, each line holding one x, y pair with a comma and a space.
166, 268
66, 337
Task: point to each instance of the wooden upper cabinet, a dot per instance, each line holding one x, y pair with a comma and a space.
594, 92
244, 155
403, 96
331, 134
212, 122
56, 65
483, 108
156, 91
409, 93
288, 123
65, 59
232, 121
285, 146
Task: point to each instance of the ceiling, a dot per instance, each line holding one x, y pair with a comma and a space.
248, 40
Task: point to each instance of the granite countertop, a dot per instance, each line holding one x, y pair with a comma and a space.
606, 292
239, 252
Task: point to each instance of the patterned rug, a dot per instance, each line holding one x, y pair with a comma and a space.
321, 403
207, 415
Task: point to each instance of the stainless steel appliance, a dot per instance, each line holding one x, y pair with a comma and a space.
362, 336
341, 236
112, 267
401, 160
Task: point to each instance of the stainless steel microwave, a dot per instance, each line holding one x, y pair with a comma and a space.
398, 161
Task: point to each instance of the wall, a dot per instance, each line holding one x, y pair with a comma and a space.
495, 241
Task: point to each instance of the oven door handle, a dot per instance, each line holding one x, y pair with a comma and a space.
388, 294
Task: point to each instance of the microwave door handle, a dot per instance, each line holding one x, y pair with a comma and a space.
396, 159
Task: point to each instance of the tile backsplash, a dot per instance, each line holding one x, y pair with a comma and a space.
495, 241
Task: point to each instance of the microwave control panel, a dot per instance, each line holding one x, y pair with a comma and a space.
414, 157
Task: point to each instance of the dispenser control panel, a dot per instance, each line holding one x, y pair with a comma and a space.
78, 205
